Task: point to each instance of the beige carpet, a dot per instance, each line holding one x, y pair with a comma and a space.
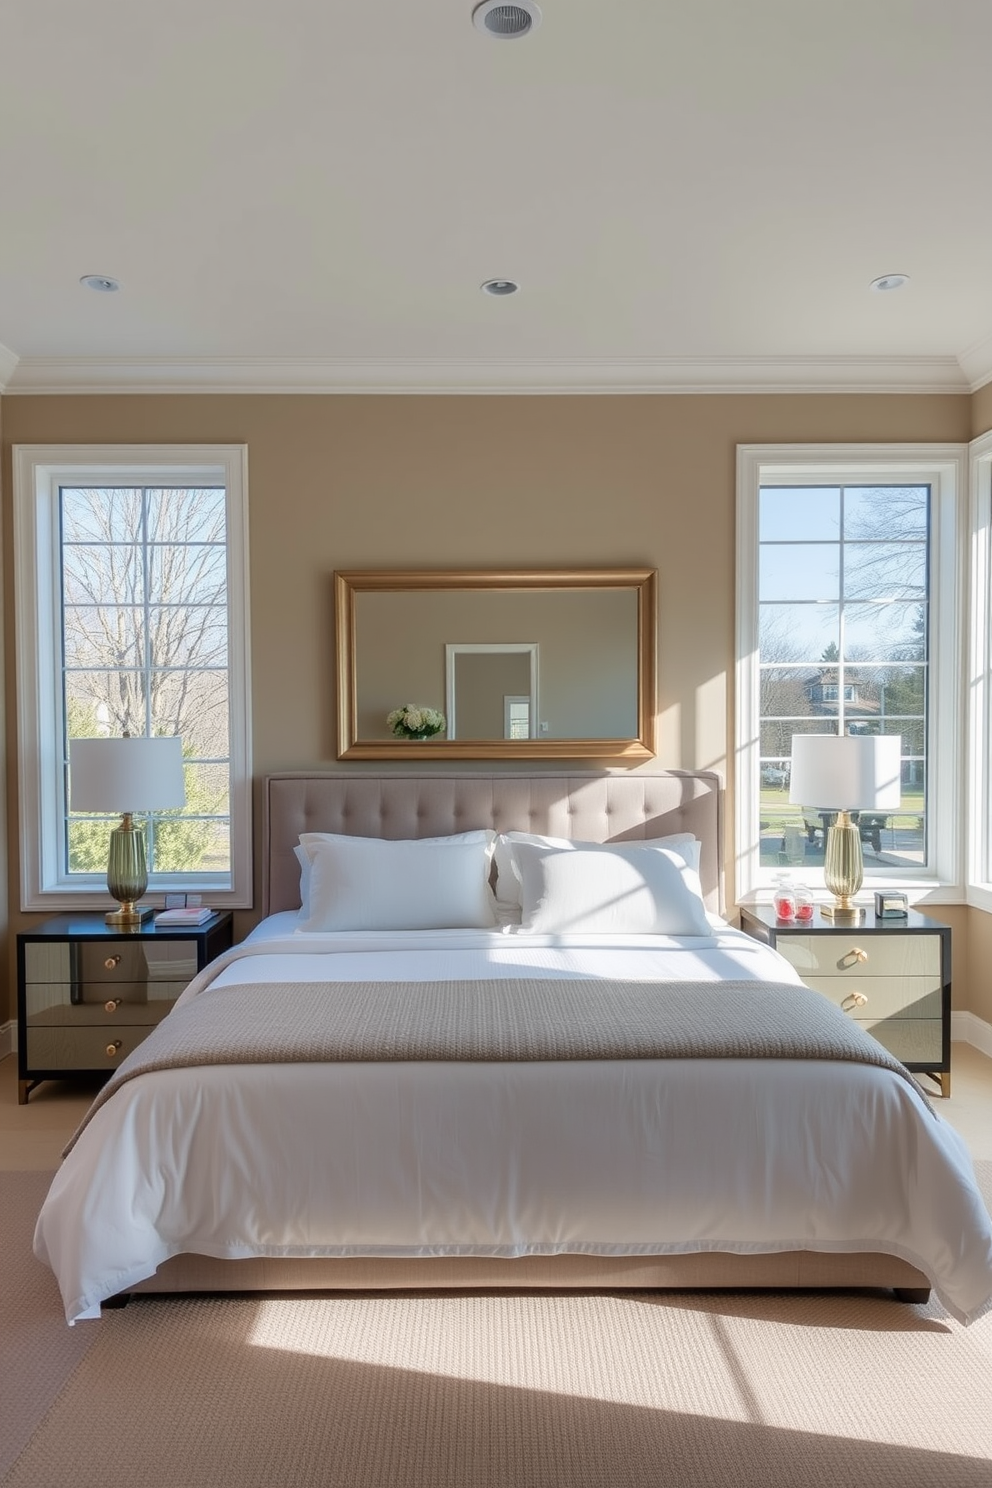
37, 1351
809, 1390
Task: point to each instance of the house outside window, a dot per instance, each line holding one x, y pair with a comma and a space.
849, 569
133, 622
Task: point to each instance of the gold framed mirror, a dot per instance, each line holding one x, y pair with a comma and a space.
528, 664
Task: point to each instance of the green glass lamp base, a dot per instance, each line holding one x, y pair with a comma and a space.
127, 874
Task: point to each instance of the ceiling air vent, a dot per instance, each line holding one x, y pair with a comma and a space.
506, 22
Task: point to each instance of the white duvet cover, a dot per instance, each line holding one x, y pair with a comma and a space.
630, 1157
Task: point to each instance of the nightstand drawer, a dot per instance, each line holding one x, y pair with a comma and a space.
916, 1041
125, 1000
64, 1048
857, 957
94, 965
885, 997
109, 1014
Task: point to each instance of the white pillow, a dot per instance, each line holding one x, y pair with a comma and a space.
304, 863
508, 873
480, 835
371, 883
609, 889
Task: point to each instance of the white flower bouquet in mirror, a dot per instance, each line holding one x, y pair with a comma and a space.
413, 721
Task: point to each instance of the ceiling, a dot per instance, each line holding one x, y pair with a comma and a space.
303, 196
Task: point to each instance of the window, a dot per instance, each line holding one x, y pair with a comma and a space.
516, 717
131, 618
980, 678
849, 569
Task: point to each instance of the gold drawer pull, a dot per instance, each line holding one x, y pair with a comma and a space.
112, 1005
854, 1000
112, 962
113, 1049
855, 957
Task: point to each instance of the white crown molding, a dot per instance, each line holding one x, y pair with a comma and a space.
8, 365
111, 375
976, 363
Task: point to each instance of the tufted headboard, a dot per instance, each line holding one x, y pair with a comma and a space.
587, 806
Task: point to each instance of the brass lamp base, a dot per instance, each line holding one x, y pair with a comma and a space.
125, 917
843, 869
851, 914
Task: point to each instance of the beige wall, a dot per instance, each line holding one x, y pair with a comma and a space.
8, 988
981, 411
976, 970
346, 482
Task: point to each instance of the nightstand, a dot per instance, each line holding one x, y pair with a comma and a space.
89, 992
893, 976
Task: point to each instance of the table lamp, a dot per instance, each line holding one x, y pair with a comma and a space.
844, 773
126, 775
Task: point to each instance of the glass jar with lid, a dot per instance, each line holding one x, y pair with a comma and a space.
784, 899
804, 903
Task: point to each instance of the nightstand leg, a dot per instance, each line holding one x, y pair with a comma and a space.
24, 1088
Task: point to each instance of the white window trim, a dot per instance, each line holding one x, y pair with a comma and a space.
979, 775
945, 467
38, 470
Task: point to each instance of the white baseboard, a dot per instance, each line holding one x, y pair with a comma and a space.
8, 1039
969, 1028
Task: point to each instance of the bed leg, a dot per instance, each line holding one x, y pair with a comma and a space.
121, 1300
919, 1295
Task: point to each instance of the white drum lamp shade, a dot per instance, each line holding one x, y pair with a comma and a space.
127, 775
845, 773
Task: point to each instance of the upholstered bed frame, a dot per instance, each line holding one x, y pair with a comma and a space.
590, 807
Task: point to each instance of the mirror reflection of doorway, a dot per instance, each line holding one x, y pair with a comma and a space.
491, 690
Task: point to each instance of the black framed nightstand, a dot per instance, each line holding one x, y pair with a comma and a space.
893, 976
89, 992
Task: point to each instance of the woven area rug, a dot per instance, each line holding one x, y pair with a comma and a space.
37, 1351
698, 1390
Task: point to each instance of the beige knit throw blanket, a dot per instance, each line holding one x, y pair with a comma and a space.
523, 1018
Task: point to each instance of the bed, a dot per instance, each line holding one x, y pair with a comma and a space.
405, 1078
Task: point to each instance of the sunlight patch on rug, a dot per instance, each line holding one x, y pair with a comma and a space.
720, 1357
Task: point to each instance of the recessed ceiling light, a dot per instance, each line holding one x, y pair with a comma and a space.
890, 281
499, 287
100, 282
506, 22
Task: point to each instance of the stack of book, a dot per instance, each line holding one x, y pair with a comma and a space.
192, 915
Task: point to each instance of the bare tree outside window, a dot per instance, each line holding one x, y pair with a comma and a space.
146, 651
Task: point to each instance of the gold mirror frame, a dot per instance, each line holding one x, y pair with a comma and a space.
641, 581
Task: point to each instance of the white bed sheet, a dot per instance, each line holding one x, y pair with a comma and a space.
416, 1159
